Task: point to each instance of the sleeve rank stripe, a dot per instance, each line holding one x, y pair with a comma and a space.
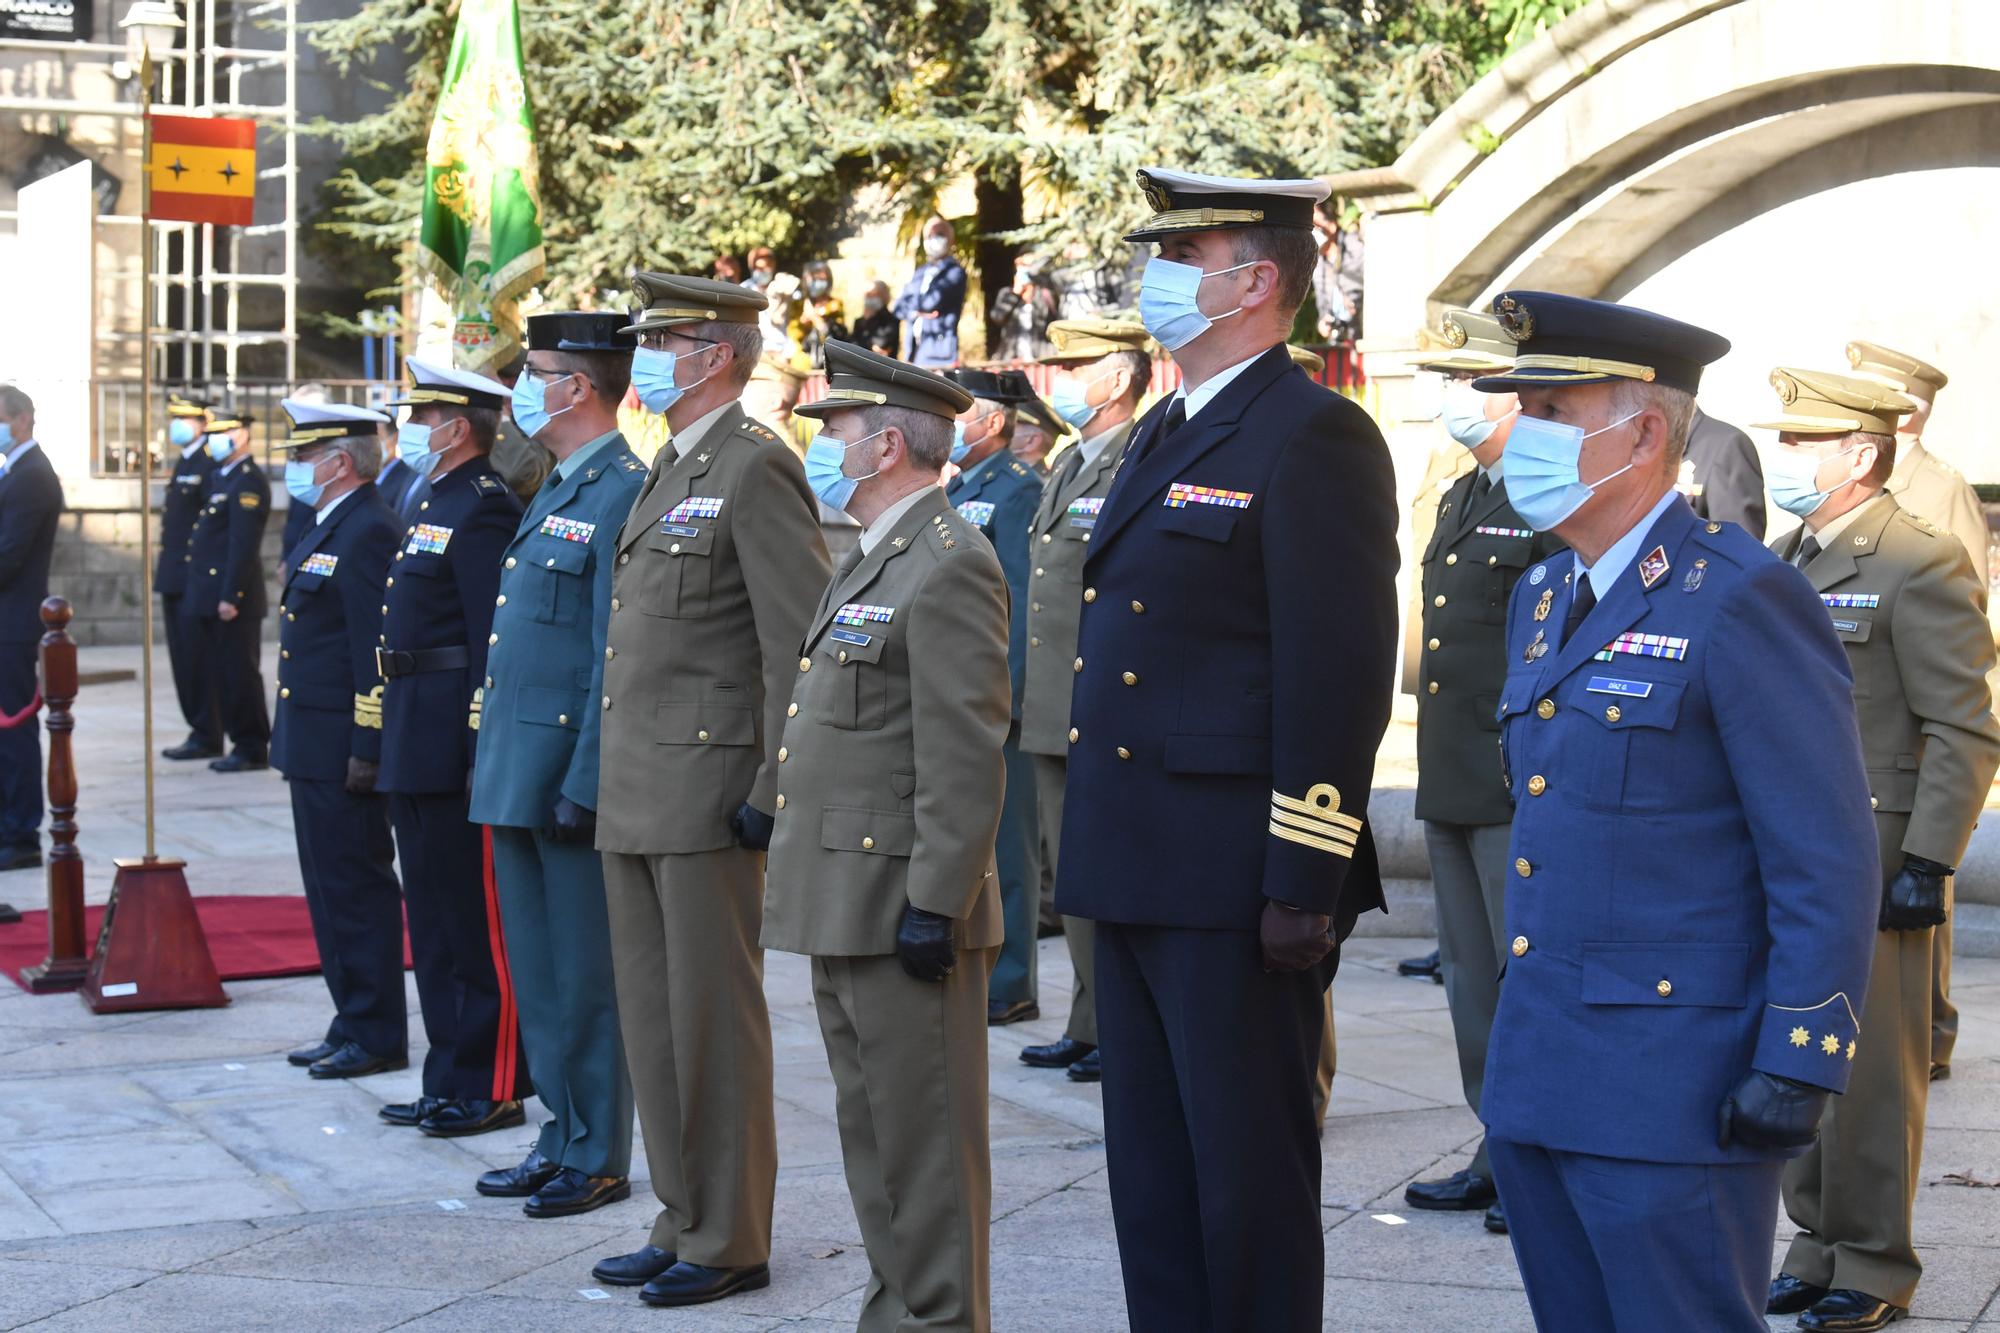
1308, 840
1317, 827
1280, 801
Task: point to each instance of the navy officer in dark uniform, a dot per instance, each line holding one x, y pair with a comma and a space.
998, 494
1233, 679
186, 493
327, 736
436, 619
1692, 895
225, 601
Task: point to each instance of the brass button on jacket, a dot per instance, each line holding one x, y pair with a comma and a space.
1522, 868
1665, 988
1520, 945
1546, 709
1537, 785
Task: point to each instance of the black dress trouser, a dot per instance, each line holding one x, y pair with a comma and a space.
189, 686
348, 864
228, 671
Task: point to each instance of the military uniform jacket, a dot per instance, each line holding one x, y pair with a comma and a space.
186, 493
1237, 661
1930, 488
443, 585
1057, 545
890, 775
329, 692
226, 548
1903, 599
539, 718
998, 495
720, 563
1693, 892
1475, 556
1721, 476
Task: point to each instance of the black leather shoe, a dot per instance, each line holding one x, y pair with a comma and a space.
691, 1284
410, 1113
518, 1182
1939, 1073
236, 761
999, 1013
1090, 1069
1496, 1219
313, 1054
190, 749
635, 1269
570, 1191
1057, 1054
464, 1115
1461, 1191
1427, 966
1049, 929
1789, 1295
353, 1061
1850, 1312
20, 858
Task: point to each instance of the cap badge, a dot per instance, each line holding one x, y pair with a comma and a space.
1454, 332
1516, 318
1156, 194
1786, 386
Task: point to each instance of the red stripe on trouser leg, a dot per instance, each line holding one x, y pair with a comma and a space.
506, 1041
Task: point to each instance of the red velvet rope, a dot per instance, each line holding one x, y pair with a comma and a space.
8, 721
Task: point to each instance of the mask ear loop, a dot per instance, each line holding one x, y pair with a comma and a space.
1218, 273
1592, 486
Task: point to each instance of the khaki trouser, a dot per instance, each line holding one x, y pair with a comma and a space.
690, 979
1079, 933
1469, 879
1853, 1191
909, 1075
1944, 1014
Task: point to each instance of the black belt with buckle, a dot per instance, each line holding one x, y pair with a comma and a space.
394, 662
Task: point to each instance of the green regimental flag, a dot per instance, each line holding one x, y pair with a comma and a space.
481, 240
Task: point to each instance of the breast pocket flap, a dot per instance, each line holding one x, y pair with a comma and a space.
876, 832
1618, 702
678, 539
1706, 975
549, 707
1218, 754
849, 646
1213, 523
568, 557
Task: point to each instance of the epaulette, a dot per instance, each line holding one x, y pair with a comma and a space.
1020, 469
1944, 468
1729, 540
941, 529
760, 430
488, 484
1923, 524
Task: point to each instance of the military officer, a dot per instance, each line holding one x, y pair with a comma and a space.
535, 772
1932, 489
1689, 930
437, 620
890, 784
1233, 677
997, 493
721, 565
1720, 475
1036, 426
1103, 369
327, 737
1478, 550
1904, 600
186, 493
224, 603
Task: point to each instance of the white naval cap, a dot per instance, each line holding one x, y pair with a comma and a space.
431, 383
315, 422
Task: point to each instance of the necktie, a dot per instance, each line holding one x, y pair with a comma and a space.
1481, 486
1580, 603
1176, 418
1807, 550
1071, 465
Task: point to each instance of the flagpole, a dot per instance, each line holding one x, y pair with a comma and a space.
146, 424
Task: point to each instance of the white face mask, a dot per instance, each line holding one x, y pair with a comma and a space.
937, 246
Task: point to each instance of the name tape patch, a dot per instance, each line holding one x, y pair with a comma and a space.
569, 529
1847, 626
854, 637
428, 539
1630, 689
1644, 645
1180, 495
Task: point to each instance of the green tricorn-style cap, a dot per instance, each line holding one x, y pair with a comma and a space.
1819, 402
579, 331
857, 377
1473, 340
665, 300
1089, 339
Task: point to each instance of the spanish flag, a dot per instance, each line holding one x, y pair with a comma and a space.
203, 170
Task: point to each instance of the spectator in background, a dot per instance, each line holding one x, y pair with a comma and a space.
1087, 290
781, 318
820, 314
1019, 319
728, 268
1337, 275
932, 301
31, 506
878, 329
763, 268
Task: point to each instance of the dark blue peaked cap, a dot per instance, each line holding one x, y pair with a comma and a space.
1575, 340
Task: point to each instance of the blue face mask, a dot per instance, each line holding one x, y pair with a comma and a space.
653, 378
300, 485
1169, 302
6, 436
1070, 397
220, 447
959, 447
1465, 418
1792, 475
825, 457
413, 448
181, 431
1542, 481
530, 398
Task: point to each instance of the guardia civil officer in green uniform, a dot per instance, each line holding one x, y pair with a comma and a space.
1103, 368
1904, 600
720, 564
997, 493
889, 792
535, 779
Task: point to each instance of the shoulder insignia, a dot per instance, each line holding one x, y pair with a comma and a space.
249, 499
1944, 469
487, 484
760, 430
1923, 524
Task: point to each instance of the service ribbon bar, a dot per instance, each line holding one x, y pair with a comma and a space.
695, 506
860, 613
1087, 507
1867, 601
1644, 645
319, 562
429, 539
1180, 495
569, 529
977, 512
1504, 532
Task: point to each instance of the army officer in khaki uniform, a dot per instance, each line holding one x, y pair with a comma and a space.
718, 568
889, 790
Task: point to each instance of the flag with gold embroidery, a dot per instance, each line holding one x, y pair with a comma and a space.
203, 170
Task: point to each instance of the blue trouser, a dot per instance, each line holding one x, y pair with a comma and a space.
559, 954
1017, 856
21, 753
189, 688
1608, 1245
348, 865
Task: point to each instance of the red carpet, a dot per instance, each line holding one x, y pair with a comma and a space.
249, 935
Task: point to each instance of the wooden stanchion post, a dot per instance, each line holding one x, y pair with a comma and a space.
65, 965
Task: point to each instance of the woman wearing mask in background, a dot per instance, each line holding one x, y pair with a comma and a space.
932, 301
820, 315
878, 329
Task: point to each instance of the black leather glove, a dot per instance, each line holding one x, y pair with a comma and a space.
361, 775
570, 822
1914, 899
1767, 1111
752, 827
924, 943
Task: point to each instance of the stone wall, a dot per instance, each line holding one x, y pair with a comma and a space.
97, 568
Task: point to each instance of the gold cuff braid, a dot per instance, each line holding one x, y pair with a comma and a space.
1315, 821
368, 709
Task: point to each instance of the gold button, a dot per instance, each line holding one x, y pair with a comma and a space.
783, 754
401, 554
1124, 753
1522, 868
1520, 945
510, 562
1046, 539
1034, 642
1451, 559
1546, 709
805, 664
675, 549
625, 559
1076, 665
1433, 687
425, 505
843, 654
1714, 528
211, 571
1434, 645
1131, 678
1873, 803
1072, 735
284, 694
1492, 559
562, 718
1090, 594
489, 682
1039, 571
610, 653
290, 616
1438, 600
385, 608
614, 604
1537, 785
285, 652
701, 735
501, 600
868, 844
1665, 988
492, 638
781, 800
1034, 606
391, 583
607, 703
791, 710
1138, 608
1612, 713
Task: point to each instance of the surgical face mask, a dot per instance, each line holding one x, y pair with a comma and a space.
1793, 474
825, 457
937, 246
761, 277
530, 403
6, 435
1542, 480
1464, 414
817, 286
872, 304
220, 447
413, 448
300, 483
1070, 397
653, 374
181, 431
1169, 303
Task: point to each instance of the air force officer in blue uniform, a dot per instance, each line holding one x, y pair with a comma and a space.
1234, 671
1692, 898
